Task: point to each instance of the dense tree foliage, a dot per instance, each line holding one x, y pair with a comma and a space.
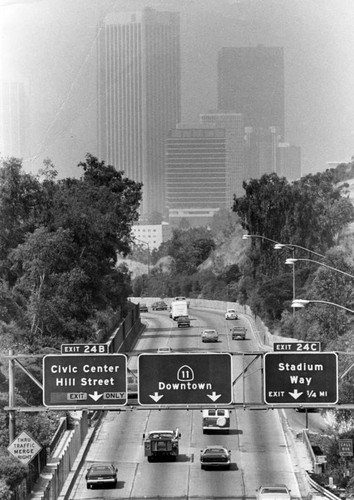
59, 245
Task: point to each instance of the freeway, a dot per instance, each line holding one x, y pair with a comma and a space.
258, 447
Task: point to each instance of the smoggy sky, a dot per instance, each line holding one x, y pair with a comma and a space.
51, 45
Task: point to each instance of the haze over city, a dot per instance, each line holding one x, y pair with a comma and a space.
51, 45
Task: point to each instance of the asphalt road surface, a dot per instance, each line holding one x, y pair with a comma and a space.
256, 440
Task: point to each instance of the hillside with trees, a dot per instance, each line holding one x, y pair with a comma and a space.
59, 241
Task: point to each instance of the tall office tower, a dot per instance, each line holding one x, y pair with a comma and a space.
195, 174
289, 161
261, 151
251, 82
139, 96
235, 149
13, 119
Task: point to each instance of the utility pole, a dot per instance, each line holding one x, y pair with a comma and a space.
12, 415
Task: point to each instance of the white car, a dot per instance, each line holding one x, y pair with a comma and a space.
231, 314
164, 350
273, 492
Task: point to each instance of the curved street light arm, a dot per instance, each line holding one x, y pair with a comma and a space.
292, 245
292, 261
303, 302
248, 236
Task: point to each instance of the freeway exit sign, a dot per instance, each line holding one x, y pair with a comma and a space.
92, 381
185, 379
300, 378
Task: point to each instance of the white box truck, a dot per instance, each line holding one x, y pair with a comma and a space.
178, 308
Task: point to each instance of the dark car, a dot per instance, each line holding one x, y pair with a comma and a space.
183, 322
215, 456
143, 308
101, 474
159, 306
238, 332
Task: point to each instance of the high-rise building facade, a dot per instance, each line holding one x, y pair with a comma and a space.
139, 96
196, 177
233, 123
13, 119
251, 82
289, 161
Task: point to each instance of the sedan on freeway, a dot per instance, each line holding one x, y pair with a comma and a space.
159, 306
231, 314
210, 336
101, 474
215, 456
273, 492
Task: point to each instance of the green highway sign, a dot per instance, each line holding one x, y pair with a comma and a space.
299, 378
185, 379
87, 381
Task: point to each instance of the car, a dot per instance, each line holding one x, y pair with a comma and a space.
308, 409
159, 306
132, 381
273, 492
164, 350
99, 474
143, 308
238, 333
216, 419
215, 456
183, 321
231, 314
210, 336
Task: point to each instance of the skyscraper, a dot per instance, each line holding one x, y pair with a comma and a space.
13, 119
139, 96
235, 149
251, 82
195, 174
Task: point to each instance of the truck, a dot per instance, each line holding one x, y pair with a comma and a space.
178, 308
216, 419
162, 444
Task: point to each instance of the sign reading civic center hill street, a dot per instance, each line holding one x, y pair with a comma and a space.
185, 379
92, 381
300, 378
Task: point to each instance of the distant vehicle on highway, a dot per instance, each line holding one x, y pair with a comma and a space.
215, 456
158, 444
210, 336
216, 419
143, 307
164, 350
238, 333
231, 314
178, 308
159, 306
183, 322
101, 474
273, 492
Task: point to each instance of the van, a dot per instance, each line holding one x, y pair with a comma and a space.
216, 419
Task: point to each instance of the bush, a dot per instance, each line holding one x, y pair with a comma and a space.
5, 491
12, 471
